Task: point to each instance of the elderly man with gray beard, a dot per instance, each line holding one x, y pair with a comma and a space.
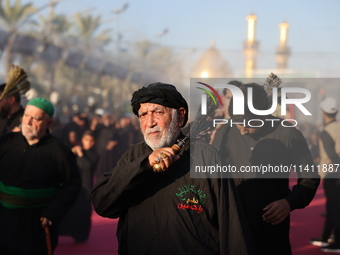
166, 211
39, 183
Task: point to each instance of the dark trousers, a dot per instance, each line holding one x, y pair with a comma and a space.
332, 221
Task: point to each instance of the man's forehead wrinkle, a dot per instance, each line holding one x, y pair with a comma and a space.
34, 112
39, 116
151, 107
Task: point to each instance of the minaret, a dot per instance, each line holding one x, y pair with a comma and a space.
283, 51
250, 46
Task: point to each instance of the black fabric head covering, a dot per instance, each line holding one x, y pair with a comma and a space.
159, 93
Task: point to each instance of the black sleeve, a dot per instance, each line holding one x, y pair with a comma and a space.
308, 180
70, 185
329, 146
115, 190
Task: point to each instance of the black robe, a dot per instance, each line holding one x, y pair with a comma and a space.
77, 222
271, 146
48, 163
104, 134
169, 212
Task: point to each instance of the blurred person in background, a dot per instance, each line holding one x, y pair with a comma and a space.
78, 221
106, 140
266, 198
125, 138
330, 168
80, 125
138, 135
72, 131
11, 112
313, 143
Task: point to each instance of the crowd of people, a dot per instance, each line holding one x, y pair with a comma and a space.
112, 135
138, 168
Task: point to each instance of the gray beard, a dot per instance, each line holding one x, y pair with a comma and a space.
169, 136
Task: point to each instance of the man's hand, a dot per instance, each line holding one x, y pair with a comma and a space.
110, 145
276, 211
164, 157
16, 129
45, 222
77, 150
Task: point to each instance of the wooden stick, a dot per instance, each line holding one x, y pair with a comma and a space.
48, 240
48, 237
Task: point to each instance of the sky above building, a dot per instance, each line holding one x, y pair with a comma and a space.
314, 24
191, 25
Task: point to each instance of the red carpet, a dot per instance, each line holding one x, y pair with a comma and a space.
308, 223
305, 224
102, 240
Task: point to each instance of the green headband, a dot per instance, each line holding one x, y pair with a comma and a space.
43, 104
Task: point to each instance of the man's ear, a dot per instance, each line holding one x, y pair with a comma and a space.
49, 122
181, 116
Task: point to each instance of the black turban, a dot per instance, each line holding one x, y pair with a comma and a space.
159, 93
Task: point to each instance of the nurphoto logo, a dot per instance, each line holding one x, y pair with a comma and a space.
238, 103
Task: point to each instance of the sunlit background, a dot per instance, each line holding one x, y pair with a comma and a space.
85, 54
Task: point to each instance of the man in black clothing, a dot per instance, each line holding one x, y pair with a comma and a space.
73, 131
329, 161
106, 142
39, 183
10, 112
165, 211
77, 223
266, 198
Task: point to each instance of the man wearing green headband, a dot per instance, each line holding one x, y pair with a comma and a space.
39, 183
